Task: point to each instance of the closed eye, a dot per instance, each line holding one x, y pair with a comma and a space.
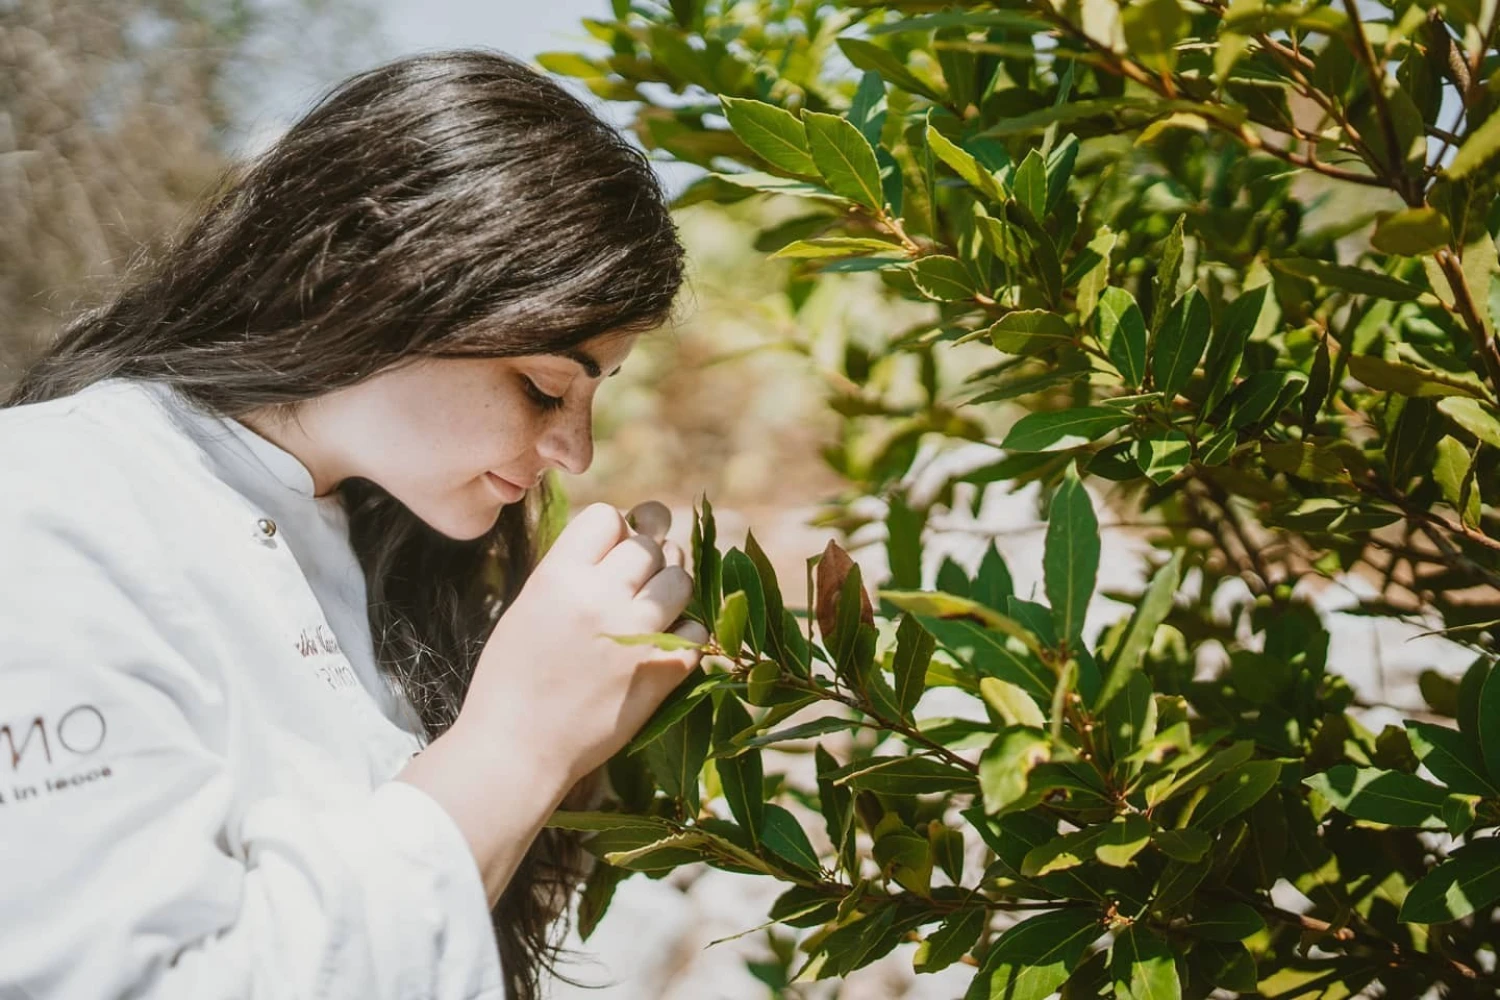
541, 399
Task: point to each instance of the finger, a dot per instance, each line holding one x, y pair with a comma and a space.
634, 561
692, 631
674, 555
651, 518
591, 535
664, 597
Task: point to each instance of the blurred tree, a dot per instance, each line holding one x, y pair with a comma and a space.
115, 116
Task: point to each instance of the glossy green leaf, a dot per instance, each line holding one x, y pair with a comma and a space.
1006, 765
1143, 967
1226, 921
1237, 791
1410, 380
1031, 331
1122, 333
740, 776
729, 627
844, 159
942, 278
1226, 348
773, 133
1412, 232
1123, 838
1473, 416
958, 932
1468, 880
1358, 280
1179, 343
1453, 758
1030, 184
1070, 561
964, 164
1056, 430
914, 649
1031, 959
784, 837
1161, 453
904, 776
869, 56
1152, 610
1011, 703
1382, 796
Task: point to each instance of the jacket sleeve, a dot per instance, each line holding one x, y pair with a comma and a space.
129, 869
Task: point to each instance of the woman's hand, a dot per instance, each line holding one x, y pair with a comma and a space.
547, 675
551, 700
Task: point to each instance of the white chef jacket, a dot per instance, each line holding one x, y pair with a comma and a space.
196, 748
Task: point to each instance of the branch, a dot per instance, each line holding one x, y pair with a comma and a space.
1463, 302
1366, 55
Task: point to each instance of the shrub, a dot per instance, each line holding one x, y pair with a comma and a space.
1236, 267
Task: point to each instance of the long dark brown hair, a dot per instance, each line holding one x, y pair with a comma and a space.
455, 203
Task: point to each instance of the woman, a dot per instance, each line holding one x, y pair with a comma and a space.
267, 517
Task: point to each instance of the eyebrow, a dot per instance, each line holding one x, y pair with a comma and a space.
590, 366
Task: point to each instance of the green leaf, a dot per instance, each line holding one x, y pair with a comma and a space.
942, 278
934, 603
771, 184
1473, 416
1070, 561
1259, 398
1060, 429
1488, 730
729, 628
1164, 285
1389, 797
1011, 703
1152, 610
904, 776
647, 826
1180, 343
774, 134
741, 776
835, 802
677, 758
1237, 791
1452, 757
1357, 280
1142, 966
1182, 845
1478, 148
683, 699
869, 56
964, 164
1227, 348
1225, 922
784, 837
914, 648
1452, 470
1409, 380
958, 932
1122, 333
1412, 232
1468, 880
1006, 765
1031, 331
1030, 184
1091, 283
1227, 966
1123, 838
829, 247
845, 160
1163, 452
661, 640
1031, 959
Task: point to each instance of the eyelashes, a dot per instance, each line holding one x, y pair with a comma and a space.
546, 402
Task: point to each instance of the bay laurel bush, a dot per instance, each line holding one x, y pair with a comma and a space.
1236, 265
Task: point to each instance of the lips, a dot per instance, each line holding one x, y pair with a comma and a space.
508, 490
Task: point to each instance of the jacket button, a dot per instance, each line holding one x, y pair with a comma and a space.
267, 527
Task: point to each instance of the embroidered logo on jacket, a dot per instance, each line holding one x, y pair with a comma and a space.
320, 643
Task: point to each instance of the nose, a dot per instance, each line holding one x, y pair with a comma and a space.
569, 444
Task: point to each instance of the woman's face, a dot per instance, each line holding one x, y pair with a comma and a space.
437, 432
